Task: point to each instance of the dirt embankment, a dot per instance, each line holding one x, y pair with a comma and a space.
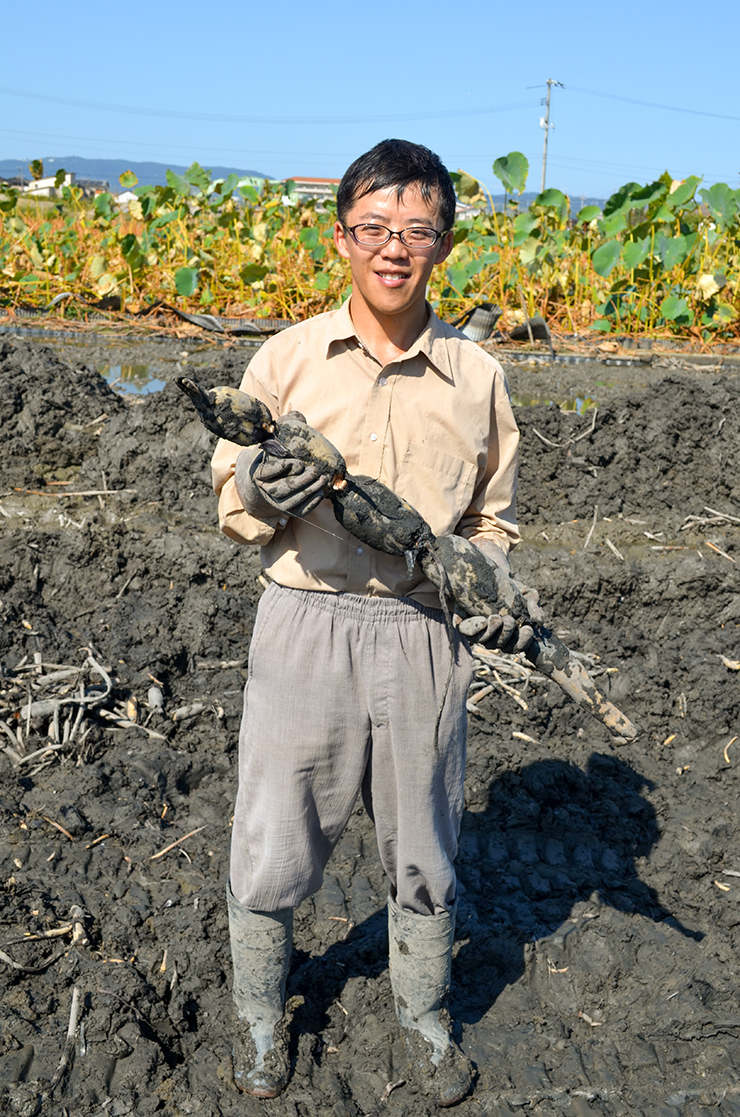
596, 957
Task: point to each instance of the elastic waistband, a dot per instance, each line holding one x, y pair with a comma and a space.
359, 606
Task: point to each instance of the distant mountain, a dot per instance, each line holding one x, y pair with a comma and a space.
148, 174
155, 174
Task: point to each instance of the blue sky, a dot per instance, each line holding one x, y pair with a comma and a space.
308, 87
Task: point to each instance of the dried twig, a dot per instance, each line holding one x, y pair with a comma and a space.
494, 664
57, 826
723, 515
61, 696
125, 586
69, 738
547, 441
70, 1041
52, 748
701, 521
11, 750
84, 492
592, 428
511, 691
719, 551
614, 550
52, 933
472, 702
46, 707
593, 526
220, 664
177, 843
715, 517
32, 969
126, 723
390, 1087
505, 664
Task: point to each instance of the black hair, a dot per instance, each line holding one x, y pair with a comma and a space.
398, 163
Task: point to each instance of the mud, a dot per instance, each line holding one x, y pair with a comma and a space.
595, 965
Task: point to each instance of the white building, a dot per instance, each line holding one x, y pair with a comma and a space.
46, 187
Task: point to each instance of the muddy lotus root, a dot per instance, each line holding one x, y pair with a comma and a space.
378, 517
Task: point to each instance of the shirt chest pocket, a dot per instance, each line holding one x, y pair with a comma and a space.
437, 484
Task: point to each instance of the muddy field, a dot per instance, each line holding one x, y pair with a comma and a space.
596, 963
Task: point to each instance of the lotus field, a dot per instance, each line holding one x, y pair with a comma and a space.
657, 260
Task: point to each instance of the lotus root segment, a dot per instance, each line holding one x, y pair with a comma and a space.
229, 413
477, 585
372, 512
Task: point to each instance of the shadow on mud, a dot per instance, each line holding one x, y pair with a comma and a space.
318, 980
553, 847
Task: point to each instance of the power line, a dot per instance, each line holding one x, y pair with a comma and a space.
621, 176
649, 104
227, 118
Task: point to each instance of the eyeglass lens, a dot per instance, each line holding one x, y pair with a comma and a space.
415, 237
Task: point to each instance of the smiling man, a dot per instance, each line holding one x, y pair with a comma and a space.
392, 244
350, 656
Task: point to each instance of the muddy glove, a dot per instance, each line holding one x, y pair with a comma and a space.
501, 631
268, 485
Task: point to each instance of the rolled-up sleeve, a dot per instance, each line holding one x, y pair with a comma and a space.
233, 520
435, 426
492, 511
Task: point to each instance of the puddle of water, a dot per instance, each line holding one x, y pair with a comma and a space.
581, 404
139, 380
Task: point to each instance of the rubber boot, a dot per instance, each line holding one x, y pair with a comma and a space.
261, 946
420, 949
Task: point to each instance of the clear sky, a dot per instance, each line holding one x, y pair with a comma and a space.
297, 88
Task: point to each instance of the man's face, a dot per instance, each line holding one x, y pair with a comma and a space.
391, 279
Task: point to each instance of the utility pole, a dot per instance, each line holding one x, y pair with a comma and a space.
545, 123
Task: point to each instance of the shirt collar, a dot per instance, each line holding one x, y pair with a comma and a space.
431, 342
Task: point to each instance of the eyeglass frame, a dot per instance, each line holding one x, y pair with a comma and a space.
394, 233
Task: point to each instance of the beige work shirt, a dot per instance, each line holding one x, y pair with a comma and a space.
436, 426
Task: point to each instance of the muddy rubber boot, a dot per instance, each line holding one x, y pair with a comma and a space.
420, 950
261, 945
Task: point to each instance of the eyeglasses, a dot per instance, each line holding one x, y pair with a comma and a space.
374, 236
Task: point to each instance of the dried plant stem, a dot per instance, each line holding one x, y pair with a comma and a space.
70, 1041
593, 526
172, 845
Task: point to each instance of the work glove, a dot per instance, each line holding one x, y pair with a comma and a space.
501, 632
269, 485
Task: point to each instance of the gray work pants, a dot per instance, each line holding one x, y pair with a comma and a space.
342, 696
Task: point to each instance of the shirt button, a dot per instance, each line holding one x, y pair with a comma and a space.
382, 382
373, 437
360, 550
283, 521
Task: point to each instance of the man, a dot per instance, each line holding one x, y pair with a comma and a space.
350, 655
